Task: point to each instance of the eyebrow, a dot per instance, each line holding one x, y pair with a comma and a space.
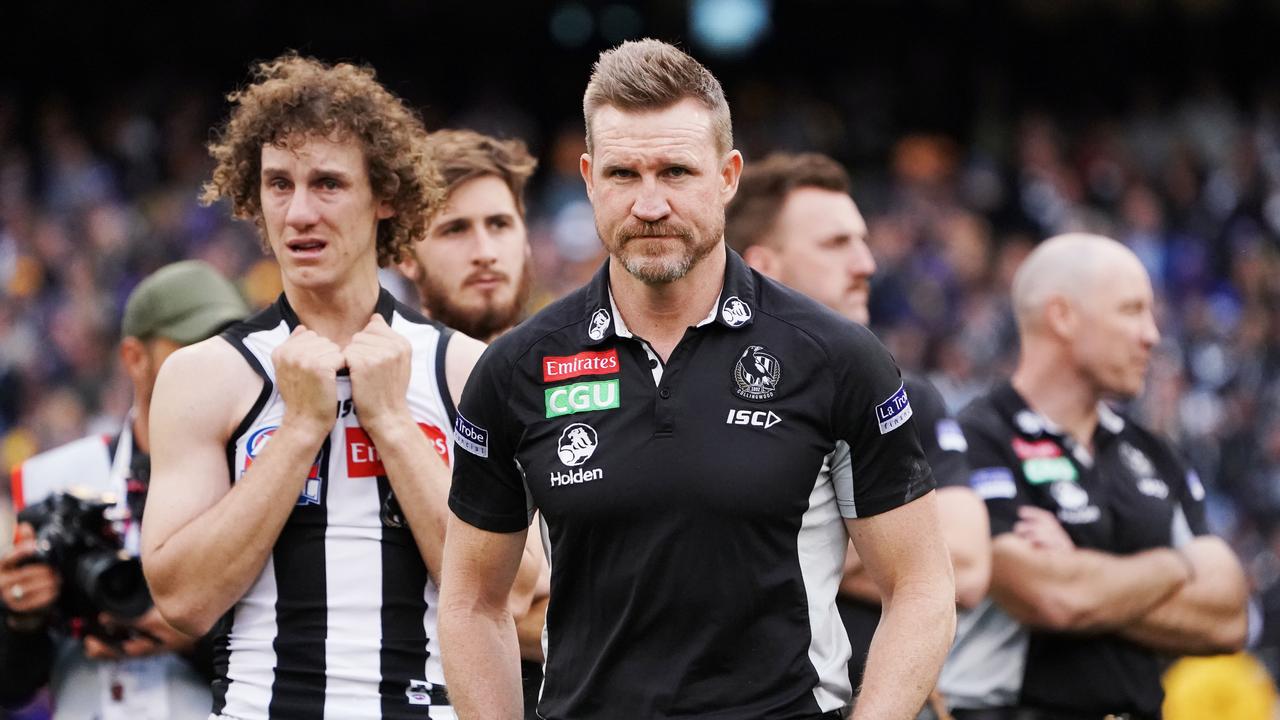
272, 171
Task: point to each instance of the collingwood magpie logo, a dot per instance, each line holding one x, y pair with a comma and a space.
735, 312
599, 322
757, 374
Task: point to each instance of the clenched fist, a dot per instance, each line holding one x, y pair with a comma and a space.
378, 359
307, 368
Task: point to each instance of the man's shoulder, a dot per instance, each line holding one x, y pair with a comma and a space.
835, 334
545, 326
984, 415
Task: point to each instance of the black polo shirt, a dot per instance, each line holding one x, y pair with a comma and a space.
944, 447
1131, 494
693, 508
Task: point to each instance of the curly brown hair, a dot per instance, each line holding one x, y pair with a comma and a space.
463, 155
293, 98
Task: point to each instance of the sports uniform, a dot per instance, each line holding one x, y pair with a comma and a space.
692, 508
1130, 494
944, 447
341, 623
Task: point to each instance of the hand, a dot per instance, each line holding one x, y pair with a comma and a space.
307, 368
27, 589
147, 635
1039, 527
378, 359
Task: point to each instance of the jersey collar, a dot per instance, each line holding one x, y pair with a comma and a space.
734, 308
385, 306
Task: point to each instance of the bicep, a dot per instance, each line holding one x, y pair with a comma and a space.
903, 544
480, 566
190, 408
963, 518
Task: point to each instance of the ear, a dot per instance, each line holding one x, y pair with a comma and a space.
1061, 317
134, 359
584, 167
408, 267
385, 210
764, 259
730, 173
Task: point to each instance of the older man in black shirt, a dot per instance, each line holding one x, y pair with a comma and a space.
1102, 563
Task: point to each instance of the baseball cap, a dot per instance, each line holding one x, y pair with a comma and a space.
185, 302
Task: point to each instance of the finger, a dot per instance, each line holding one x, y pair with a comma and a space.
99, 650
24, 533
139, 645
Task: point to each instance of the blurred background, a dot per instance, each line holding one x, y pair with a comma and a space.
972, 129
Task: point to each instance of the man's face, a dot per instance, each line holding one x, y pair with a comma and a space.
659, 186
319, 211
472, 268
1116, 329
819, 247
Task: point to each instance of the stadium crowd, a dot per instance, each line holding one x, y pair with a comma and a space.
1192, 186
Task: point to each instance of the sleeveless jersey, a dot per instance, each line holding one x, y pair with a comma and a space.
341, 623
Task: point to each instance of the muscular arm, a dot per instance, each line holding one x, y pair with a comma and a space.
904, 554
1078, 589
1206, 616
477, 633
963, 518
193, 511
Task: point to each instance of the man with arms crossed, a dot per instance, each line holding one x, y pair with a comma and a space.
1101, 561
794, 221
693, 436
301, 459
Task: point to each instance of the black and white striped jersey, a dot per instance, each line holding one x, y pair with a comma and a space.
341, 623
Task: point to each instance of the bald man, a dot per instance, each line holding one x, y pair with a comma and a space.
1101, 561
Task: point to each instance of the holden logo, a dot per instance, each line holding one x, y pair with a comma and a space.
599, 322
735, 312
577, 444
757, 374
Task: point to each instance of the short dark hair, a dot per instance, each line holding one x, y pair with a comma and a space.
462, 155
764, 187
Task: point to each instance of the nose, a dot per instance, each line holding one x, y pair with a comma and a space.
861, 263
651, 205
302, 210
1150, 332
485, 247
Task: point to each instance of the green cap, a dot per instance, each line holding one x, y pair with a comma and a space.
185, 302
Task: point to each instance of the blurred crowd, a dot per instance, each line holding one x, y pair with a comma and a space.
92, 199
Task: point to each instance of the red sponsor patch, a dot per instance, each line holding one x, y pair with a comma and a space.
1038, 449
555, 369
363, 460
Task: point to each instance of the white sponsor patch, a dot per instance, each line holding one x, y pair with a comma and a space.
471, 437
893, 412
599, 323
419, 692
950, 436
735, 312
993, 483
1153, 487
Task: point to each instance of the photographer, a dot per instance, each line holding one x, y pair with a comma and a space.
98, 664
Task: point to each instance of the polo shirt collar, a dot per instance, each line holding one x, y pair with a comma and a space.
1030, 422
733, 309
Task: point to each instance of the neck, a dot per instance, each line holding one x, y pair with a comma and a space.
1055, 389
336, 313
661, 313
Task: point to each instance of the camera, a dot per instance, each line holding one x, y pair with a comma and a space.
76, 535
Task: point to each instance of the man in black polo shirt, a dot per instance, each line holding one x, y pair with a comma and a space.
1101, 560
794, 221
693, 435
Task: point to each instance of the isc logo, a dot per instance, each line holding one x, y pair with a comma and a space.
753, 418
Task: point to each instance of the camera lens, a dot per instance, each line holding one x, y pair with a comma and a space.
114, 583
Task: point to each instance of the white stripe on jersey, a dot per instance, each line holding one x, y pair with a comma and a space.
252, 658
820, 547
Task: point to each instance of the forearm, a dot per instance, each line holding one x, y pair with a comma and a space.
1206, 616
482, 667
420, 481
856, 583
529, 630
907, 651
1081, 590
232, 539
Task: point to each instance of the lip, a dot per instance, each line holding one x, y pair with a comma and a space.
306, 248
486, 281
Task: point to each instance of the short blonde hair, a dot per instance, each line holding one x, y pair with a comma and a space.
652, 75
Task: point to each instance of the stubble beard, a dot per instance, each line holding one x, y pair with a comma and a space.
660, 270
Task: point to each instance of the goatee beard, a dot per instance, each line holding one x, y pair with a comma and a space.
483, 324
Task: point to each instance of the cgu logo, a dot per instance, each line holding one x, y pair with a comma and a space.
581, 397
752, 418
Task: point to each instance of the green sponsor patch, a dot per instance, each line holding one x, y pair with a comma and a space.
582, 397
1042, 470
